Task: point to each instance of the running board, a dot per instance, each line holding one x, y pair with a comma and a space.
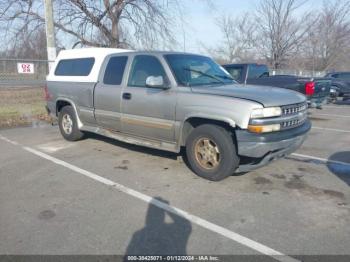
141, 141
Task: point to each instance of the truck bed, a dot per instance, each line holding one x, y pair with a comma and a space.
243, 73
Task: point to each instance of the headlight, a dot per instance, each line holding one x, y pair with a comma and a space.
264, 129
266, 112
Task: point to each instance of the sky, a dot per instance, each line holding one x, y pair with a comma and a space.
201, 27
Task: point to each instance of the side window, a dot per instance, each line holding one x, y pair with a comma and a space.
235, 72
115, 70
257, 71
142, 67
75, 67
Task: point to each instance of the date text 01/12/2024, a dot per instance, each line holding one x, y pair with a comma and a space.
173, 258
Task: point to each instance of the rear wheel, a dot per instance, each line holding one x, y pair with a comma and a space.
68, 125
211, 152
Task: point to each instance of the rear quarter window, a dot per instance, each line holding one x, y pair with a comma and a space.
235, 72
257, 71
75, 67
115, 70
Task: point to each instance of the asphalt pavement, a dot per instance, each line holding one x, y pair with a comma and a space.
102, 197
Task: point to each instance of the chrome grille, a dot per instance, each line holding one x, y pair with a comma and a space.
292, 123
299, 111
293, 109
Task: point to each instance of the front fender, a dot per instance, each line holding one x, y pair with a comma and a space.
215, 117
218, 115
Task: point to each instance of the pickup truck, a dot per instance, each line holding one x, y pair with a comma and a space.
340, 82
171, 100
316, 90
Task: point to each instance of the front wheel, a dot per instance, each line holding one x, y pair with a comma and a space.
68, 125
211, 152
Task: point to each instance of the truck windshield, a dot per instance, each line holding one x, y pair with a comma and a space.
195, 70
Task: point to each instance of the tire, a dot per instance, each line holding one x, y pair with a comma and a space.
66, 115
224, 160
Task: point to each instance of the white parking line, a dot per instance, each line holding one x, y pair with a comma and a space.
8, 140
324, 160
194, 219
331, 129
334, 115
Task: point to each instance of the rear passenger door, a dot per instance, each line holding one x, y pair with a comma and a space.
148, 111
107, 95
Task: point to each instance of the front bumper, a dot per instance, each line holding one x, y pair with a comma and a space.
263, 148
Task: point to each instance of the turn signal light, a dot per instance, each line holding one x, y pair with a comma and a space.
264, 129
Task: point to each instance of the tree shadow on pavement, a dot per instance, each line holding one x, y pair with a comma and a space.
340, 170
159, 237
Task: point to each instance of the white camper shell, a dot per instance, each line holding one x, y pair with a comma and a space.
98, 54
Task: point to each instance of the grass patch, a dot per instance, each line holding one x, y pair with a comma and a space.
22, 106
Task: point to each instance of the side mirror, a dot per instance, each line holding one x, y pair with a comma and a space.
156, 82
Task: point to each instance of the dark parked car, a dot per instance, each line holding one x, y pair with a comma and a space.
340, 81
316, 90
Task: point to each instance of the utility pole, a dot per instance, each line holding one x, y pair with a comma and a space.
50, 32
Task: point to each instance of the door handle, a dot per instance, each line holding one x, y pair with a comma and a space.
126, 96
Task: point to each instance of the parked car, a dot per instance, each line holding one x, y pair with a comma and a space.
169, 100
316, 90
340, 83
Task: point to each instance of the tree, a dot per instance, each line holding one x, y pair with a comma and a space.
31, 46
238, 39
329, 38
270, 34
113, 23
280, 33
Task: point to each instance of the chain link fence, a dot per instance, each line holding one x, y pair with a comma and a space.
23, 72
22, 100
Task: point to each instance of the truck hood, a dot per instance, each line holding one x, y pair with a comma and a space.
265, 95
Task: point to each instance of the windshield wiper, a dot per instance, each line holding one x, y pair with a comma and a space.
204, 74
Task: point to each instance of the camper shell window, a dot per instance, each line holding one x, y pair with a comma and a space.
75, 67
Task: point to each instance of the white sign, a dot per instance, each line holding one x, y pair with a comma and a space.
25, 68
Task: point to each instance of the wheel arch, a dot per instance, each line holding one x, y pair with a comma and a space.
62, 102
192, 122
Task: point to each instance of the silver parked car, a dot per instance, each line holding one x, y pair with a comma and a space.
170, 100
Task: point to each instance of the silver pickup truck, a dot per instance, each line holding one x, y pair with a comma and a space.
169, 101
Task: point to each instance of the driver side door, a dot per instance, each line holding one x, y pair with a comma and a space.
148, 111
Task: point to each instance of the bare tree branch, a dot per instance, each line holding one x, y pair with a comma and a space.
115, 23
329, 38
238, 39
280, 33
